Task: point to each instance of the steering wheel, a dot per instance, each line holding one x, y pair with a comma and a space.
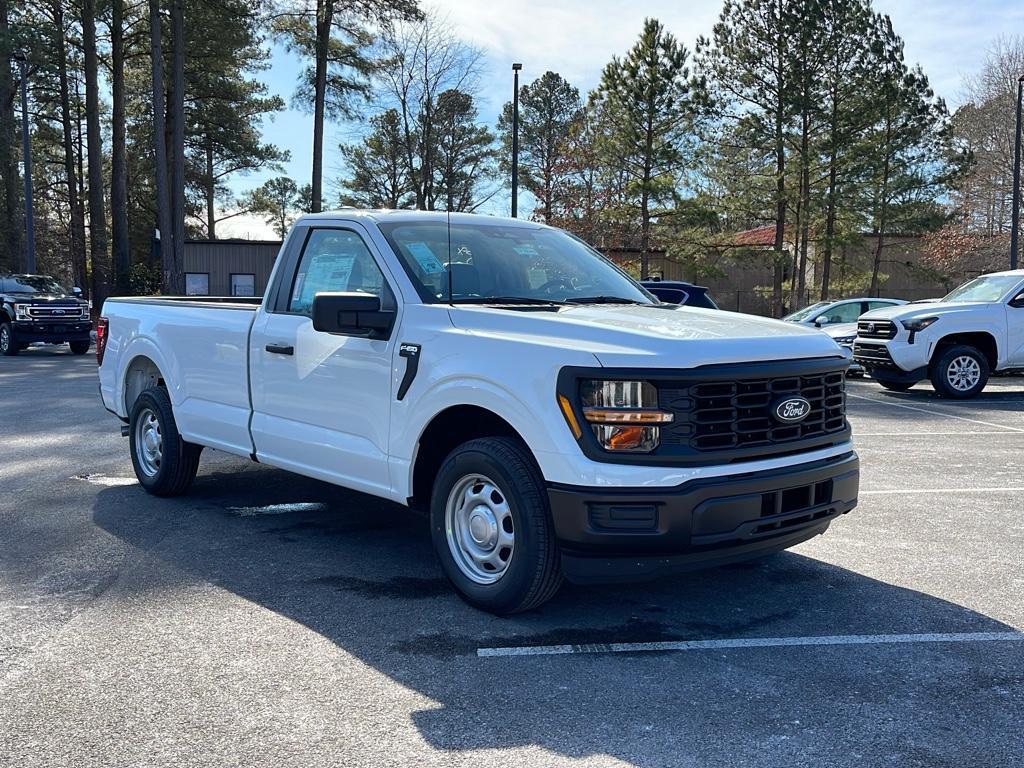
557, 282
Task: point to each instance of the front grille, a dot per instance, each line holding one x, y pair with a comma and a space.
872, 354
876, 329
55, 313
737, 414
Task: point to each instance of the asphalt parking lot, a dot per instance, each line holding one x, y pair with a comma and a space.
270, 620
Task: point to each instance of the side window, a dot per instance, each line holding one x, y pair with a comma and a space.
844, 313
878, 305
334, 260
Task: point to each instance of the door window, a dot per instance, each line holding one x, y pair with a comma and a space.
841, 313
334, 260
878, 304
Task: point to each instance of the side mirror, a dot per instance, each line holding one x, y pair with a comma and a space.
76, 291
1018, 300
820, 321
351, 314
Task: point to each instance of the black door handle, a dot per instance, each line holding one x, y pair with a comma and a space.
280, 349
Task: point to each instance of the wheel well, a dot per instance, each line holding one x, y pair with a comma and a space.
449, 429
982, 341
142, 374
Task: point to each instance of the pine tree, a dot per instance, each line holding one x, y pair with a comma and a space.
548, 109
378, 175
652, 107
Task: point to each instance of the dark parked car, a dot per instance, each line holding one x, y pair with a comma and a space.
678, 292
37, 308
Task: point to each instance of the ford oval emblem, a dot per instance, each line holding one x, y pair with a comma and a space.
58, 311
792, 409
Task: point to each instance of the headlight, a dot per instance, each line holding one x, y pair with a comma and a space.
623, 415
918, 325
844, 340
21, 312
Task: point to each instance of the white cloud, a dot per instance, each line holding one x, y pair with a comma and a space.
246, 226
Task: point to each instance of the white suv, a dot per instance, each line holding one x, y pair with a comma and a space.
956, 342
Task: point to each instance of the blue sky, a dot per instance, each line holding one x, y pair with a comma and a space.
576, 38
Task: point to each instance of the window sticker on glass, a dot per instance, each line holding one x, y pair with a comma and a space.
525, 250
425, 258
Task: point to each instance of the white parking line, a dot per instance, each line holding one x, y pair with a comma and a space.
752, 642
106, 480
935, 413
858, 434
278, 509
911, 491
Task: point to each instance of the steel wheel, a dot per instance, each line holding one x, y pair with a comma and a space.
479, 529
149, 442
963, 373
5, 338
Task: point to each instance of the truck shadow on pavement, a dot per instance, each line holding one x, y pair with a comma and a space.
360, 572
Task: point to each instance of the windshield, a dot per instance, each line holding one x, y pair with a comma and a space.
33, 284
803, 314
505, 264
985, 288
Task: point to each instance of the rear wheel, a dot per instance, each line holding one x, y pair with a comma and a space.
8, 346
491, 527
959, 372
164, 463
79, 347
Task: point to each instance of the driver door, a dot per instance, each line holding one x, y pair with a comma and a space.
322, 401
1015, 330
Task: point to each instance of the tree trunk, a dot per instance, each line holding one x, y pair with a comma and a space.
805, 211
883, 212
211, 189
324, 19
780, 216
76, 212
10, 246
118, 169
830, 212
97, 218
172, 277
178, 138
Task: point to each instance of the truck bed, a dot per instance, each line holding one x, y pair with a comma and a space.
201, 344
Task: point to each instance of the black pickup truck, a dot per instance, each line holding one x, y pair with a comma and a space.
37, 308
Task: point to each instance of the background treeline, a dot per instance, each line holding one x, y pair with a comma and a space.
802, 116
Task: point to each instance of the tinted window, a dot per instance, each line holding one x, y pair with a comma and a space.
32, 284
879, 304
987, 288
334, 260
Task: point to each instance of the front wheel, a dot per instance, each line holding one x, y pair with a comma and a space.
959, 372
164, 463
491, 527
8, 346
79, 347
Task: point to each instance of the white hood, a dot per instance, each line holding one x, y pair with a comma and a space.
931, 309
652, 336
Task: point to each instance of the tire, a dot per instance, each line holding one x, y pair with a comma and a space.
959, 372
897, 386
498, 477
8, 346
164, 463
79, 347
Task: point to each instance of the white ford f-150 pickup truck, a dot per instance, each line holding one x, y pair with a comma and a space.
551, 416
955, 342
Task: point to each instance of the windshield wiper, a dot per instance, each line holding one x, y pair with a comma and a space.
504, 300
602, 300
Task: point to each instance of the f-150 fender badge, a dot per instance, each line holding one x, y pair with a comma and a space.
411, 353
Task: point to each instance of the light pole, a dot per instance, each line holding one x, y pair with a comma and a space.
1015, 212
515, 139
30, 235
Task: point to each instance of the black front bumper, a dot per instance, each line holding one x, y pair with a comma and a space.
637, 534
54, 333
